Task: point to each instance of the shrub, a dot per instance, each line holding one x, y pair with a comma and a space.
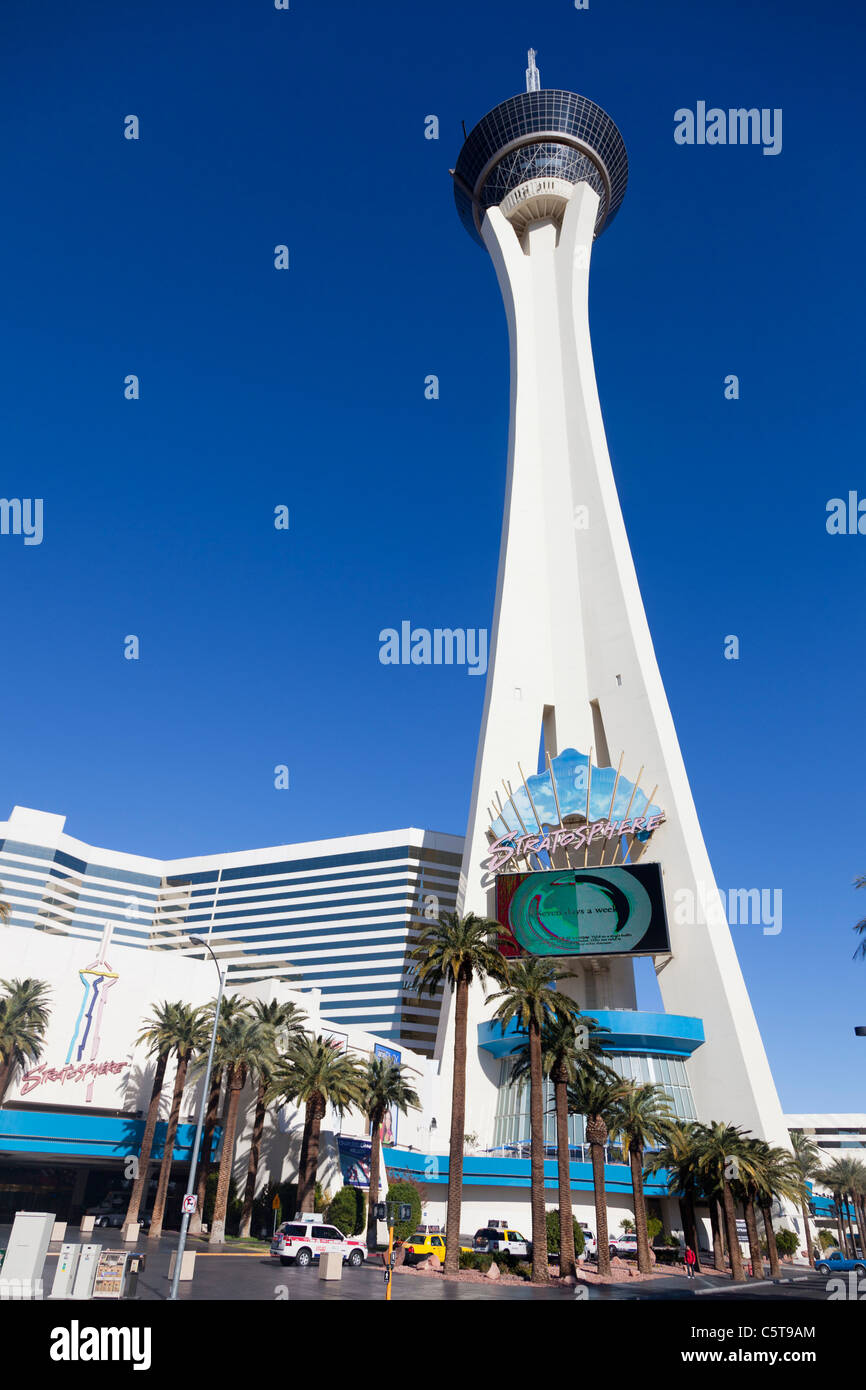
787, 1242
406, 1192
828, 1240
482, 1260
654, 1228
551, 1219
348, 1211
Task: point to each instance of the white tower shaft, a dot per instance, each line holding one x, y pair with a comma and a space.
571, 650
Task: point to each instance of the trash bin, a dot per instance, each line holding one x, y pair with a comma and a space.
331, 1265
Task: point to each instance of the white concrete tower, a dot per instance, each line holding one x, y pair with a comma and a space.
538, 179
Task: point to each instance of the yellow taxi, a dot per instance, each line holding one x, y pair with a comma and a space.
427, 1240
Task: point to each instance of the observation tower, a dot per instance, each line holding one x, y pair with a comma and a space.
572, 667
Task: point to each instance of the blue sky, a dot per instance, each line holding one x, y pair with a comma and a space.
306, 388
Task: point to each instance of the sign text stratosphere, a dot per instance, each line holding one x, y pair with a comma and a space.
509, 847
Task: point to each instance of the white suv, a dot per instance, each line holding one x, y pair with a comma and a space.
301, 1242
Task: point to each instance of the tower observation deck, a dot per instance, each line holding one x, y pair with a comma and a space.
528, 153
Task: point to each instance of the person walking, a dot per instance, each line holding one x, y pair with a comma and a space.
690, 1262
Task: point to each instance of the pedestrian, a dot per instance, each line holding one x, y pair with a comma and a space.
690, 1262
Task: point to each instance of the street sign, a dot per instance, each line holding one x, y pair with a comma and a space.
190, 1202
275, 1204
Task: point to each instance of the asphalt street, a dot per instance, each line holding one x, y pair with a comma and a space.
253, 1276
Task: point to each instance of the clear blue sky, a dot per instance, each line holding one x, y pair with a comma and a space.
258, 387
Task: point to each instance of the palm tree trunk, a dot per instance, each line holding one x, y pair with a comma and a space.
850, 1217
754, 1243
139, 1187
307, 1191
804, 1212
7, 1066
690, 1221
253, 1165
837, 1202
374, 1182
540, 1265
458, 1124
302, 1160
733, 1241
210, 1120
859, 1214
635, 1158
165, 1167
567, 1263
772, 1248
718, 1247
218, 1225
596, 1151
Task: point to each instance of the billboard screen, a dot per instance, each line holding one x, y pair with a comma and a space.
584, 912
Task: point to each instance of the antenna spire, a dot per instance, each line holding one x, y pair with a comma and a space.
533, 76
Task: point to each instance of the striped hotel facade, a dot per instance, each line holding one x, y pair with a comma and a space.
337, 916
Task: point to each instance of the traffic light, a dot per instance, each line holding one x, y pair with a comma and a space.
405, 1211
380, 1211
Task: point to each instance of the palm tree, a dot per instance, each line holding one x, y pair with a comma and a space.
24, 1015
282, 1024
858, 1191
678, 1156
752, 1165
808, 1161
233, 1006
642, 1118
719, 1155
189, 1035
456, 950
841, 1177
860, 927
241, 1045
570, 1043
316, 1071
384, 1085
530, 996
780, 1176
595, 1098
5, 909
158, 1035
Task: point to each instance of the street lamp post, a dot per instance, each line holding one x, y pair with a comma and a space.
190, 1187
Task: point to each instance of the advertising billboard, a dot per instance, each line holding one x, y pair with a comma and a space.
354, 1162
583, 912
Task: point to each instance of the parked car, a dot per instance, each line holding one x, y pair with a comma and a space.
111, 1212
427, 1240
835, 1262
501, 1239
623, 1246
301, 1242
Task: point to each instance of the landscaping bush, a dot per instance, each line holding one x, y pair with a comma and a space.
348, 1211
482, 1260
406, 1192
551, 1219
654, 1228
787, 1243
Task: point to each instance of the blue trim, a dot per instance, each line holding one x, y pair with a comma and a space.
630, 1030
493, 1171
98, 1136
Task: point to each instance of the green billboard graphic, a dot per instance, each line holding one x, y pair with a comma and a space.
583, 912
